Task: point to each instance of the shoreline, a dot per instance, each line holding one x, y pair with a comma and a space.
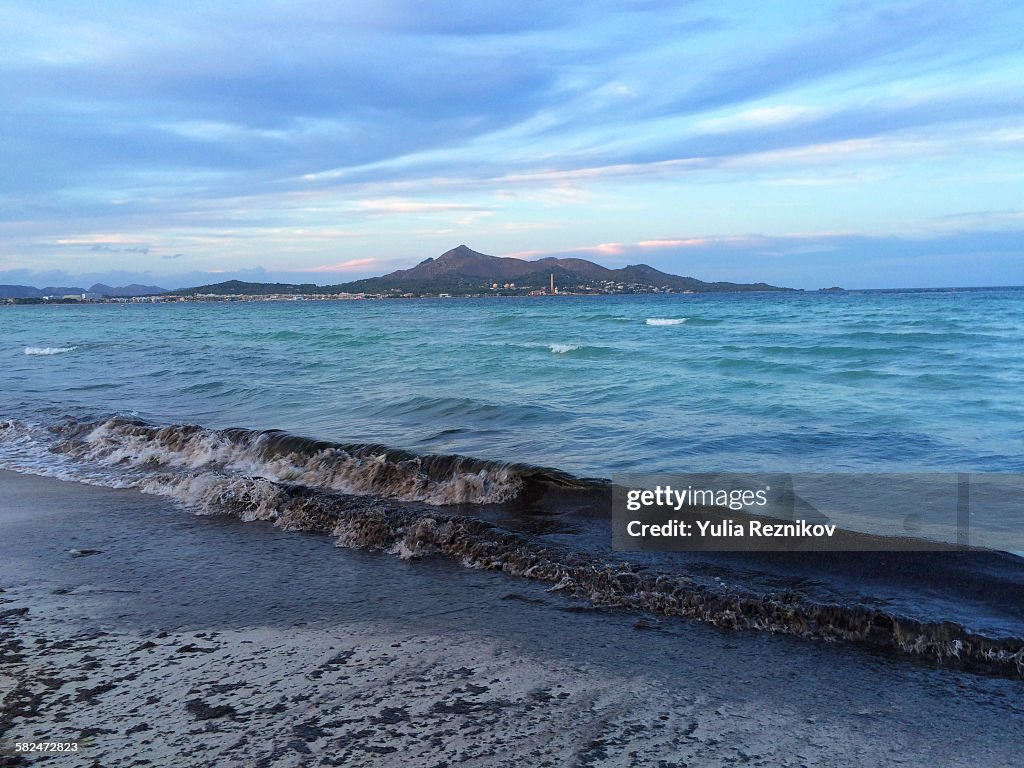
238, 643
959, 609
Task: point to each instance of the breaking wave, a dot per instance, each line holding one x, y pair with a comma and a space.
132, 452
48, 350
666, 320
481, 514
561, 349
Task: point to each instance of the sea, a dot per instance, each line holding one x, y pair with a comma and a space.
486, 431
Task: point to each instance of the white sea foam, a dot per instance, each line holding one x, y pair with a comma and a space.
561, 349
666, 320
249, 498
48, 350
198, 465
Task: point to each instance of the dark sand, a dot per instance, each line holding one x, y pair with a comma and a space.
195, 641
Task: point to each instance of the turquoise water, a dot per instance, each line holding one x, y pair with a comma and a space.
876, 381
804, 383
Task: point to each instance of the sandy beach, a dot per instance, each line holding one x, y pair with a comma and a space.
153, 637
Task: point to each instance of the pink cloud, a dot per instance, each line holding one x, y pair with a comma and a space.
608, 249
604, 249
671, 243
621, 249
343, 266
391, 205
696, 242
527, 254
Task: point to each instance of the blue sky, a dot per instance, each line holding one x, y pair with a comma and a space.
805, 144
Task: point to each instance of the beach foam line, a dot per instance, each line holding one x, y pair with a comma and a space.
399, 507
48, 350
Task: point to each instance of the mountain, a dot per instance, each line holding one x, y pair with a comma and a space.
28, 292
127, 290
19, 292
99, 289
463, 270
241, 288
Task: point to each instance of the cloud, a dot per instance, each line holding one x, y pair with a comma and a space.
854, 260
108, 249
852, 38
677, 243
266, 135
344, 266
597, 251
101, 241
760, 117
395, 206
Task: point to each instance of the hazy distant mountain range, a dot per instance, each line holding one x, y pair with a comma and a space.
462, 271
99, 289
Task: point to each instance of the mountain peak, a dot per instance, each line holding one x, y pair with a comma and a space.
461, 251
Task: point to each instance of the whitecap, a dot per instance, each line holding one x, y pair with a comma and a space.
561, 349
48, 350
666, 320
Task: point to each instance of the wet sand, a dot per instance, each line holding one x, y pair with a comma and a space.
195, 641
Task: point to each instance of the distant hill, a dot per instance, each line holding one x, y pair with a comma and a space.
127, 290
28, 292
463, 270
99, 289
241, 288
20, 292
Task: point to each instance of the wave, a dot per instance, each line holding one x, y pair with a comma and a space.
134, 452
482, 514
666, 320
464, 409
561, 349
599, 317
48, 350
595, 351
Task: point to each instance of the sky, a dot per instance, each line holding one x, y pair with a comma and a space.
858, 144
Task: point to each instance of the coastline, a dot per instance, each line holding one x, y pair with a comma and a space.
238, 643
170, 297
